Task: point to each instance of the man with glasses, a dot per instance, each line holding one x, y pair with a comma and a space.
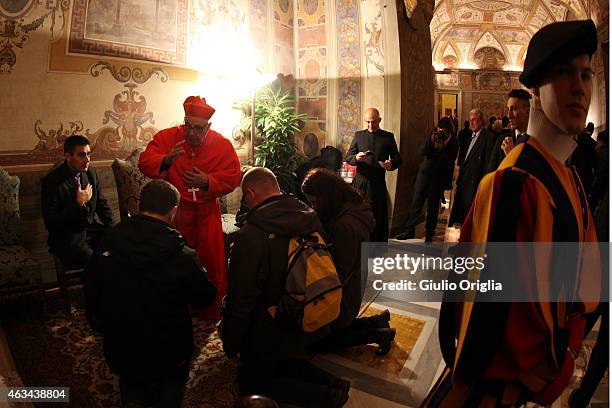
374, 152
203, 166
71, 197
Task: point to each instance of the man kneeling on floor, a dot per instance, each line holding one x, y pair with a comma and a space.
137, 291
270, 355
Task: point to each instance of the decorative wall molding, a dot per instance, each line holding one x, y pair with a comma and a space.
125, 73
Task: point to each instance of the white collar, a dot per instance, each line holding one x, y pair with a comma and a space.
557, 142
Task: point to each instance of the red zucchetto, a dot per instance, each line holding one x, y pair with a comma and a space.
196, 106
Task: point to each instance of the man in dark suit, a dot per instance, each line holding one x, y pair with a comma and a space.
584, 157
374, 152
518, 117
71, 196
435, 172
473, 169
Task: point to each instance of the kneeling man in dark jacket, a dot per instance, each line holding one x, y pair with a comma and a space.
273, 359
138, 289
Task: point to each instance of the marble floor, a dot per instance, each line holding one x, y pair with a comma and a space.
404, 375
419, 361
403, 378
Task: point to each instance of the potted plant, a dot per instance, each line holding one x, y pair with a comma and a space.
277, 124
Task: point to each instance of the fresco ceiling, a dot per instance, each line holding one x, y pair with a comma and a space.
465, 33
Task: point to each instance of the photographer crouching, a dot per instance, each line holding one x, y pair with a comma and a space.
434, 176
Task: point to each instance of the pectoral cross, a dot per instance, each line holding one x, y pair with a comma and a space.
193, 191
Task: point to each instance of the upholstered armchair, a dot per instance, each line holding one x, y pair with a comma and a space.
129, 181
19, 272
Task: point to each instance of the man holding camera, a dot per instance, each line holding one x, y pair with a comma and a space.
434, 176
374, 152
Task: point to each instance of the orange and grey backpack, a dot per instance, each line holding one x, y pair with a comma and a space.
313, 290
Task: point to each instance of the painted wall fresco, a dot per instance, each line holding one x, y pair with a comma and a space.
481, 89
284, 50
312, 74
130, 29
349, 71
219, 40
126, 121
19, 19
505, 25
117, 112
489, 58
258, 22
373, 45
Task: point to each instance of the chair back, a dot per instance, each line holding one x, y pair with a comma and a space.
9, 208
129, 181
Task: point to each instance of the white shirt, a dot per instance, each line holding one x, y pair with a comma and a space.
475, 137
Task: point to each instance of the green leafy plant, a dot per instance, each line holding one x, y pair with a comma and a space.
277, 122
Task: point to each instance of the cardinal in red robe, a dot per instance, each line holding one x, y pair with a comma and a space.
203, 166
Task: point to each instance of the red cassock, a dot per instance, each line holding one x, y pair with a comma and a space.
199, 219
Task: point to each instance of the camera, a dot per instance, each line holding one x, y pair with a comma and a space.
440, 136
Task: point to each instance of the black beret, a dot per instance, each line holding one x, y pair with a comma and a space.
557, 42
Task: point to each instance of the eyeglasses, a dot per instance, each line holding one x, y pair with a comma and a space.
196, 128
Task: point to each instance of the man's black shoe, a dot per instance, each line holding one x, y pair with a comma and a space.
381, 320
385, 340
405, 235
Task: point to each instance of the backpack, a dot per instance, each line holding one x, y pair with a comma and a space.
313, 290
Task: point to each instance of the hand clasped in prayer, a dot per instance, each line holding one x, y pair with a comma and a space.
196, 178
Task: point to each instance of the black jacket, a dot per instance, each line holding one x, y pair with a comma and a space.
347, 230
257, 275
382, 144
584, 158
470, 173
497, 153
438, 165
65, 220
602, 177
137, 290
463, 138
